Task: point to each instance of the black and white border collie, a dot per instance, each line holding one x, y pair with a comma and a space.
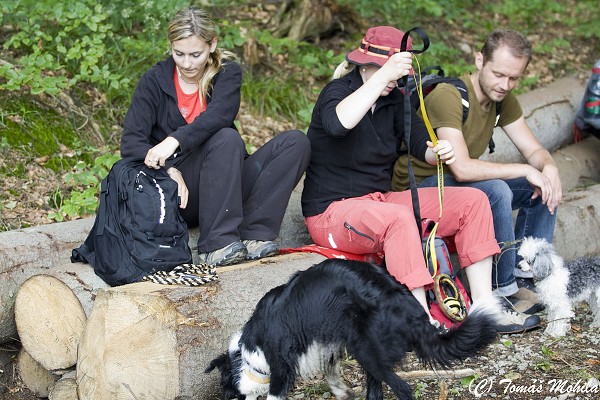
304, 326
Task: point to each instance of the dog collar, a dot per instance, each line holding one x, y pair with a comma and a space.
254, 374
263, 379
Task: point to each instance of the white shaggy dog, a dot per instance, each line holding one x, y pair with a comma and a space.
560, 285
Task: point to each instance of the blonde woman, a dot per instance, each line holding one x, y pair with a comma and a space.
181, 118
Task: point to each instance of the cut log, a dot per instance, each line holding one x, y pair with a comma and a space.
32, 251
149, 341
51, 311
37, 378
65, 388
578, 164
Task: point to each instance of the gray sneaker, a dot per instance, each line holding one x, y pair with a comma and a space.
512, 321
260, 249
526, 301
230, 254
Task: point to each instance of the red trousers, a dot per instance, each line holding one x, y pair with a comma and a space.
385, 223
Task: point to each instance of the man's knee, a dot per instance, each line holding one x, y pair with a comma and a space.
498, 192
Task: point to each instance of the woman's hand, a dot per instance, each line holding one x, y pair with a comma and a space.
443, 148
182, 190
398, 65
156, 156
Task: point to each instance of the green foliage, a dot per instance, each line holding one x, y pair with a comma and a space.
82, 202
420, 386
230, 36
571, 18
39, 132
466, 381
545, 364
459, 65
274, 96
57, 46
103, 47
584, 19
403, 13
277, 95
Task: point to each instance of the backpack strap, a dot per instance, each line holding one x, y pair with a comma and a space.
491, 144
408, 124
462, 89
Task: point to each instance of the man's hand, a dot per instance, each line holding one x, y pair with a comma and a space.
545, 187
551, 172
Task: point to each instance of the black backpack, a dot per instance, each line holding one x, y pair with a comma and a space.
138, 229
430, 80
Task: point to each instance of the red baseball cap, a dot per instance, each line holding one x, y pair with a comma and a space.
378, 45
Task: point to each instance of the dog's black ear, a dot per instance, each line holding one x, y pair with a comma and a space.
216, 363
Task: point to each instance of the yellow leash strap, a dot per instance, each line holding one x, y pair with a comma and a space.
419, 90
449, 298
430, 244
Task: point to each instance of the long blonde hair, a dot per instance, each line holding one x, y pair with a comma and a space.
343, 69
194, 21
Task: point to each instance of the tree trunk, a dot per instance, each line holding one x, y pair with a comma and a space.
37, 378
149, 341
51, 310
314, 19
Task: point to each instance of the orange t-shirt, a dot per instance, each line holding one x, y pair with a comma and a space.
190, 105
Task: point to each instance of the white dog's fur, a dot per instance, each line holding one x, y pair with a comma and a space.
256, 372
560, 285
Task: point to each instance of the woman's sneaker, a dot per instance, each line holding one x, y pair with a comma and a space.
526, 301
260, 249
512, 321
230, 254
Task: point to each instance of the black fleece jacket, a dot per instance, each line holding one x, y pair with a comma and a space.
348, 163
153, 114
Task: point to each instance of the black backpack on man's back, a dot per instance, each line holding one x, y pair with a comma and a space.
138, 229
429, 81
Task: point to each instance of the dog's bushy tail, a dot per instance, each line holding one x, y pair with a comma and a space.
476, 332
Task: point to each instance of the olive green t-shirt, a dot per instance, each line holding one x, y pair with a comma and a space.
444, 109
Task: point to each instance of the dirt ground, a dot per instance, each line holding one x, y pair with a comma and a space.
11, 386
523, 366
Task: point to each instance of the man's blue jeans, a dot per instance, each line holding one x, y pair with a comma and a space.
533, 219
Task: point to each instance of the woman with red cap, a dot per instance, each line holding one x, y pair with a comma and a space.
356, 132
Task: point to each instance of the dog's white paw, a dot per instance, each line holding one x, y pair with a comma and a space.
557, 329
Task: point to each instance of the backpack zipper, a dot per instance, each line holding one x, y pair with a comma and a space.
161, 194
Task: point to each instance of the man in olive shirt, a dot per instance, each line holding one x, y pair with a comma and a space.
533, 188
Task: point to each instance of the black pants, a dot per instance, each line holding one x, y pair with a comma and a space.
233, 196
